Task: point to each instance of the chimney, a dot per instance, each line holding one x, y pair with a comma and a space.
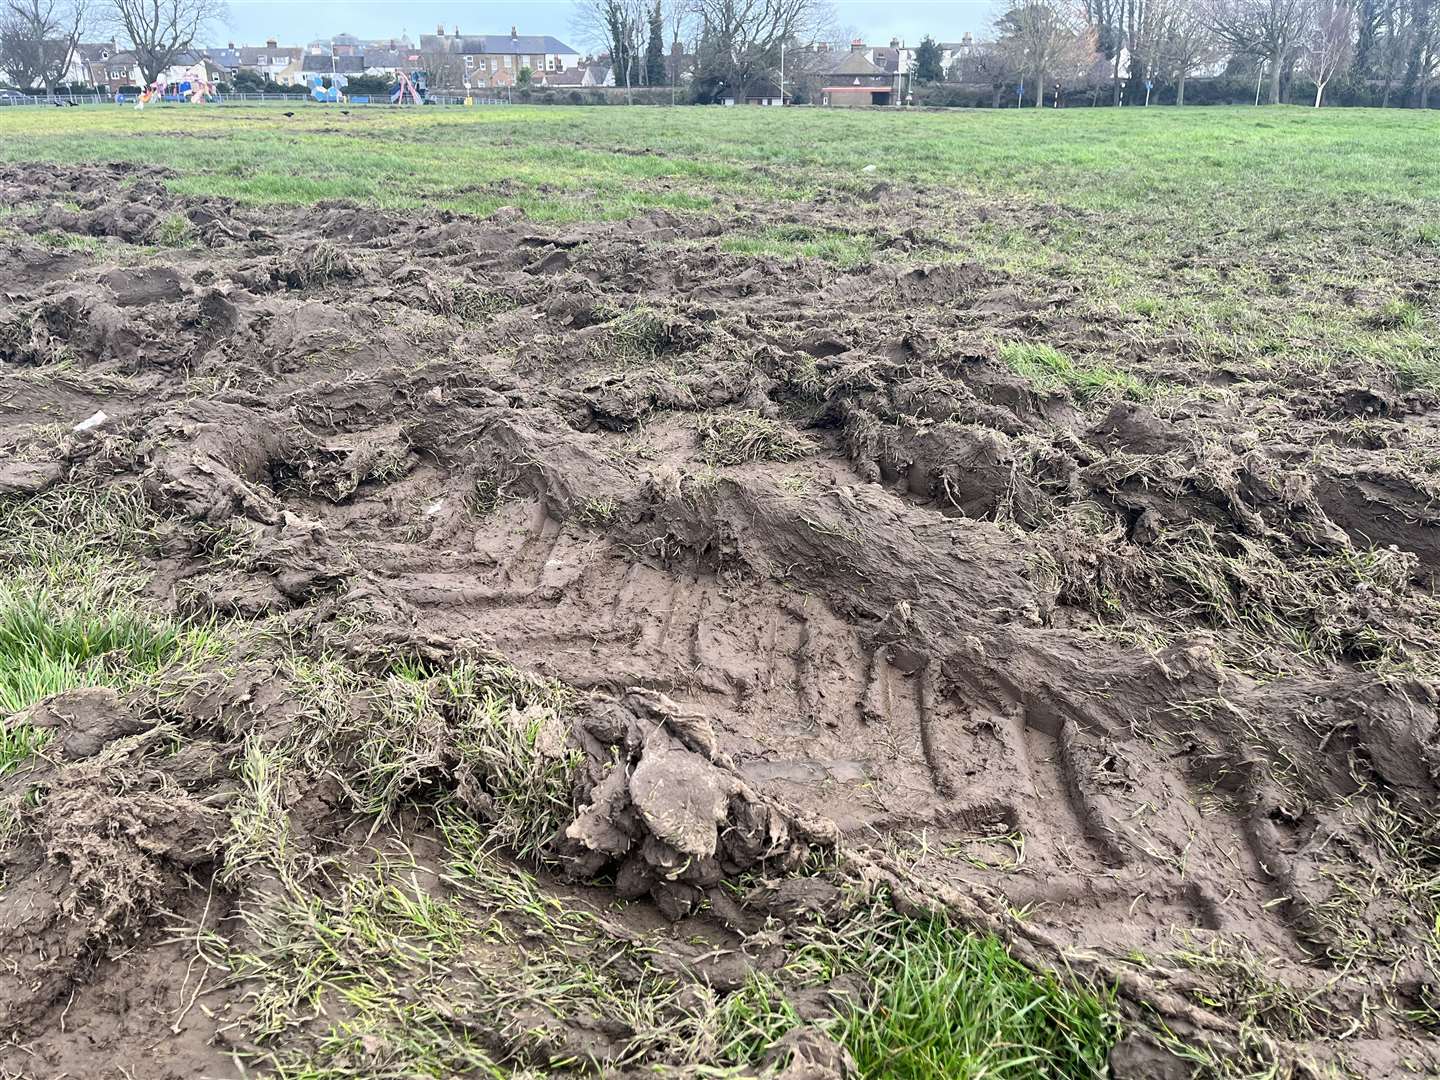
231, 45
895, 43
857, 46
967, 39
456, 32
439, 29
271, 44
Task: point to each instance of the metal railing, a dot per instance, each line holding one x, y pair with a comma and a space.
10, 97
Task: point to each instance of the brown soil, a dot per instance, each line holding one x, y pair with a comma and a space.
1180, 645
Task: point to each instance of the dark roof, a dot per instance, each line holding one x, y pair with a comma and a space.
391, 58
855, 63
568, 77
886, 58
523, 44
326, 65
93, 52
229, 59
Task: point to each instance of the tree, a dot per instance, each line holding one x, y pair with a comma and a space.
655, 48
1422, 48
616, 26
1188, 45
1043, 38
1269, 30
987, 64
1145, 28
159, 32
1107, 20
1332, 38
445, 70
38, 39
740, 40
928, 66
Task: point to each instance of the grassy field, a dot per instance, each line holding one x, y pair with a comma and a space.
1240, 234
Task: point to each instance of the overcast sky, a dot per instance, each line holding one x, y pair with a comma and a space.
296, 22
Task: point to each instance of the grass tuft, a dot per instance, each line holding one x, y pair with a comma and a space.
1047, 368
737, 437
953, 1003
175, 231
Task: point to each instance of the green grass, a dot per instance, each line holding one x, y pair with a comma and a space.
951, 1003
174, 231
845, 249
49, 644
18, 743
69, 613
1047, 368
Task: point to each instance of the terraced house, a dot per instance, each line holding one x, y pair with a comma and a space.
497, 59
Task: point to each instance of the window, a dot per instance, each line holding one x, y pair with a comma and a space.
509, 60
469, 61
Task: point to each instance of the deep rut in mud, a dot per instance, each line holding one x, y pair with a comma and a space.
1141, 678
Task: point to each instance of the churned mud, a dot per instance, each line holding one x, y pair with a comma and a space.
802, 585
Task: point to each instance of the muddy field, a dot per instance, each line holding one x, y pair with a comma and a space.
582, 642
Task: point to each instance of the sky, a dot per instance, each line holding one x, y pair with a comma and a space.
297, 22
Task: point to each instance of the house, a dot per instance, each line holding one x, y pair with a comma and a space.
497, 59
589, 73
87, 65
855, 80
190, 64
227, 59
386, 62
312, 64
953, 52
120, 69
272, 60
892, 59
765, 92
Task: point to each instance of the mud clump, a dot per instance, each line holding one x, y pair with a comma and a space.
614, 604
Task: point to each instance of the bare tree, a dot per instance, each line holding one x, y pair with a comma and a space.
160, 31
739, 41
618, 27
38, 39
1107, 19
1146, 23
1044, 38
1332, 41
1269, 30
444, 70
1189, 44
985, 63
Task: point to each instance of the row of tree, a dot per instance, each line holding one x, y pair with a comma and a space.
39, 38
1389, 46
734, 44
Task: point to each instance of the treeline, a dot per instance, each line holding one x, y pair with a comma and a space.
1354, 52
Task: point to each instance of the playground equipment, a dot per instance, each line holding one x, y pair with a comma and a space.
332, 93
409, 89
154, 92
195, 86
